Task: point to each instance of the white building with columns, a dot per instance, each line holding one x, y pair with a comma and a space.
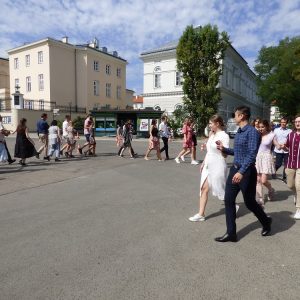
163, 82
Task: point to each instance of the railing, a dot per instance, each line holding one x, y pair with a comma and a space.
5, 105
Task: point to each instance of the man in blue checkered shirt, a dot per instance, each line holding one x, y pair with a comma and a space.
243, 175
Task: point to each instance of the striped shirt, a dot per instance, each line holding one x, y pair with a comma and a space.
293, 143
246, 144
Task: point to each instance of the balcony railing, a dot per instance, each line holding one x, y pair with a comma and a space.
6, 105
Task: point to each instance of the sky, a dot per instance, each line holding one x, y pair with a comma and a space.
133, 26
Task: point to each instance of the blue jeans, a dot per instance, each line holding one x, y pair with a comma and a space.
54, 148
248, 188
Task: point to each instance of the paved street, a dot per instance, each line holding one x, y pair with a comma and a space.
113, 228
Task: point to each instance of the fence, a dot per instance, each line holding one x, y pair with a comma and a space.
5, 105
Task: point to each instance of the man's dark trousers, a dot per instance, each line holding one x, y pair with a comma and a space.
281, 158
248, 188
165, 147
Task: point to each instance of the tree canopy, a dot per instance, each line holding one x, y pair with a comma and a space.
278, 70
199, 54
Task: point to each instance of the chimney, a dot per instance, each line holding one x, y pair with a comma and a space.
65, 40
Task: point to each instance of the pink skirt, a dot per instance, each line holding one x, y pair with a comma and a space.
265, 163
154, 143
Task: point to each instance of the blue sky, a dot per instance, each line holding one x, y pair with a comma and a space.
133, 26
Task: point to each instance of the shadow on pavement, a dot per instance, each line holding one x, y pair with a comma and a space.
282, 221
282, 195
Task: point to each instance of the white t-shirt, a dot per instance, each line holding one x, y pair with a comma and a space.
65, 127
281, 137
163, 128
86, 124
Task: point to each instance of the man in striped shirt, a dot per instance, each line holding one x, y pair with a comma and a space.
293, 164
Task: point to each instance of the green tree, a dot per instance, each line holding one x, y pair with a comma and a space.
278, 69
199, 54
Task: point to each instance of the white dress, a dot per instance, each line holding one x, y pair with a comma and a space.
215, 167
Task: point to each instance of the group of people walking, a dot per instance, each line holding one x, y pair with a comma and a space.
53, 140
253, 163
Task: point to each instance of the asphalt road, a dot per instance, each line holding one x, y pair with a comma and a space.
113, 228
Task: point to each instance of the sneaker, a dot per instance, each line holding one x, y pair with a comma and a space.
160, 160
197, 218
297, 214
295, 200
177, 160
47, 158
11, 161
194, 162
182, 158
57, 159
237, 207
80, 150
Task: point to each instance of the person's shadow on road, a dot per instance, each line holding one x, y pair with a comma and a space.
282, 221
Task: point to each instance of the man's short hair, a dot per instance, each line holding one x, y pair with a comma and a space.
284, 118
163, 118
43, 115
245, 110
67, 116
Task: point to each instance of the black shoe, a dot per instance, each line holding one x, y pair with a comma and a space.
167, 158
37, 156
71, 156
80, 150
57, 159
47, 158
267, 228
226, 238
11, 161
61, 152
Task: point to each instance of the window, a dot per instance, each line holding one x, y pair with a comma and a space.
40, 57
178, 78
118, 92
157, 79
96, 65
108, 90
118, 72
27, 60
96, 87
41, 82
227, 77
29, 104
17, 82
28, 84
41, 104
107, 69
16, 63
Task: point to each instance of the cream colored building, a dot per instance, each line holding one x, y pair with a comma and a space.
56, 74
4, 84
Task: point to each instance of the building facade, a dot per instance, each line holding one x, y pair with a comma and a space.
4, 84
163, 82
53, 74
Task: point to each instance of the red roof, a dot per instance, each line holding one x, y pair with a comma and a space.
138, 99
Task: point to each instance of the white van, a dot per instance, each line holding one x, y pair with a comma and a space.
231, 127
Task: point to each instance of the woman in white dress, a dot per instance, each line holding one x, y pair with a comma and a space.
214, 168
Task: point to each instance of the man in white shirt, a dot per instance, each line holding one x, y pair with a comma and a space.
165, 134
281, 134
3, 130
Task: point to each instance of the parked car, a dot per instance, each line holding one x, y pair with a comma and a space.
231, 127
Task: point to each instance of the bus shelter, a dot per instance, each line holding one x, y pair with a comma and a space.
106, 121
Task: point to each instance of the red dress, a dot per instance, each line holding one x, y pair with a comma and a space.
188, 141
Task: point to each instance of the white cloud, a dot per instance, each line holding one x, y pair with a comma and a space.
131, 26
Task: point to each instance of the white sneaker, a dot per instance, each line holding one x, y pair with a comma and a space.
295, 200
237, 207
194, 162
177, 160
297, 214
197, 218
182, 158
